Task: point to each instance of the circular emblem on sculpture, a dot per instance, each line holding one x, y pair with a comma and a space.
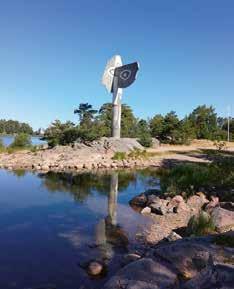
111, 71
125, 74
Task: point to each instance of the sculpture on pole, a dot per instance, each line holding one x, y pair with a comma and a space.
116, 77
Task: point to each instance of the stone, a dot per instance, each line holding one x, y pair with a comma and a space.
143, 274
146, 210
223, 219
196, 202
159, 207
188, 258
173, 236
139, 201
131, 257
95, 268
216, 276
212, 204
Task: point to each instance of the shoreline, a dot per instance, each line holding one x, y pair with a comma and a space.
110, 153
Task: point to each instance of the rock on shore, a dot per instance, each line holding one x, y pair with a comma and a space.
173, 213
191, 263
95, 155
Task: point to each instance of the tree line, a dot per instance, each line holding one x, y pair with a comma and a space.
201, 123
14, 127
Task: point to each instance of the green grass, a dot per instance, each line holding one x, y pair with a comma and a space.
217, 176
119, 156
200, 225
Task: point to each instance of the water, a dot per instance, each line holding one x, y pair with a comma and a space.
8, 139
50, 224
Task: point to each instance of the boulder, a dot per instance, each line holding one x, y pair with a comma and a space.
139, 201
212, 204
143, 274
223, 219
173, 236
177, 204
146, 210
217, 276
95, 268
159, 206
196, 202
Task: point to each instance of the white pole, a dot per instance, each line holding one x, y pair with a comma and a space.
228, 124
116, 109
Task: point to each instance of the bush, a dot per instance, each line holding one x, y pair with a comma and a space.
2, 147
22, 140
145, 140
119, 156
200, 225
138, 154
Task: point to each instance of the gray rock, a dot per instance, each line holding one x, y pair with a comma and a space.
131, 257
219, 276
173, 236
139, 201
146, 210
143, 274
223, 219
94, 268
159, 207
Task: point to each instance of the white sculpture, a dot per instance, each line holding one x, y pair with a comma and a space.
116, 77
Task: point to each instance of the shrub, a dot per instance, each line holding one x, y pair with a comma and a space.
21, 140
2, 147
119, 156
200, 225
138, 154
145, 140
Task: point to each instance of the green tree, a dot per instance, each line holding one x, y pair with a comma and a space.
128, 120
156, 126
21, 140
60, 133
13, 127
86, 113
143, 133
204, 120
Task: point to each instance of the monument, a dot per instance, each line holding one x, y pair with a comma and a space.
116, 77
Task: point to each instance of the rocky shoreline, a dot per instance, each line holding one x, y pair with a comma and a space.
94, 156
170, 261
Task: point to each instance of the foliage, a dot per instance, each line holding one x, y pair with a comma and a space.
145, 140
59, 133
21, 140
1, 144
13, 127
93, 124
224, 240
191, 178
119, 156
200, 225
138, 154
143, 133
2, 147
86, 113
204, 120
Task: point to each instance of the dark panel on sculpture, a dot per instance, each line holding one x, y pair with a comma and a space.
126, 74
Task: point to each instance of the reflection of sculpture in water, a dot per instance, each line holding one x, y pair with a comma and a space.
108, 233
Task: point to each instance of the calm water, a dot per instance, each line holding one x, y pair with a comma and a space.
50, 224
7, 140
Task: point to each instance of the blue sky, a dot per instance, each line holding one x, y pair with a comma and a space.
53, 52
